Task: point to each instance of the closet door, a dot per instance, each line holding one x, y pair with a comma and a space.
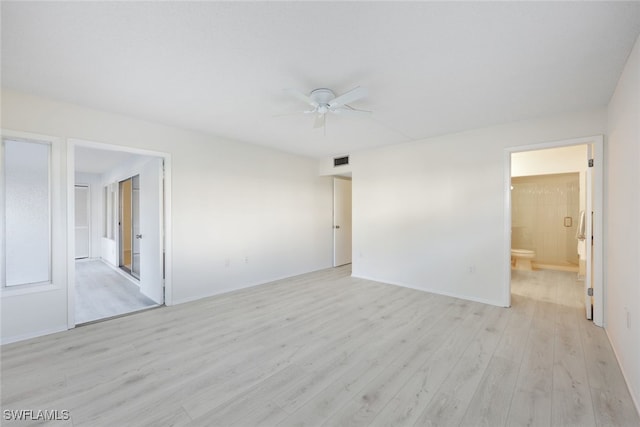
341, 222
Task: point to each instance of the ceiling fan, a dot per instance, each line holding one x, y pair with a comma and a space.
323, 101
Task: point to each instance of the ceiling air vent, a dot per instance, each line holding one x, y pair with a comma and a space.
340, 161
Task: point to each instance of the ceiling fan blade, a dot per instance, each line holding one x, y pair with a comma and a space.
346, 98
352, 112
302, 97
319, 121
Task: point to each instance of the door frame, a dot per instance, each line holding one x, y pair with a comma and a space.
597, 141
72, 143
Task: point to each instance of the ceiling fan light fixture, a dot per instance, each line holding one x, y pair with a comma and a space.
322, 96
323, 101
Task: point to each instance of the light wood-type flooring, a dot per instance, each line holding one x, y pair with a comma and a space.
327, 349
102, 292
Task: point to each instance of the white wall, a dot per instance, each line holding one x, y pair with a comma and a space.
622, 255
549, 161
95, 193
430, 214
241, 214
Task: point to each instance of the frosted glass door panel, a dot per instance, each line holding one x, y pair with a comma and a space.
27, 212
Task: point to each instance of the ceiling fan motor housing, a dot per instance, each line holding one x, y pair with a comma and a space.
322, 97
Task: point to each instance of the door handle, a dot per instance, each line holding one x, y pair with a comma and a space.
138, 236
336, 226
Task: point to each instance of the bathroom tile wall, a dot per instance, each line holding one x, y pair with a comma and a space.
540, 205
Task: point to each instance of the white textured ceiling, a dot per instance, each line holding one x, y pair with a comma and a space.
220, 67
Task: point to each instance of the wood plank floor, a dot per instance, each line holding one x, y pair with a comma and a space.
327, 349
103, 292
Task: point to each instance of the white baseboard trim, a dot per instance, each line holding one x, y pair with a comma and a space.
433, 291
634, 397
219, 292
30, 335
241, 287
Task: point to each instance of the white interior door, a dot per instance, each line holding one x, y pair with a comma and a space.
150, 236
341, 221
588, 282
82, 219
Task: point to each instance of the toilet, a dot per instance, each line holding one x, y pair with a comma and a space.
522, 258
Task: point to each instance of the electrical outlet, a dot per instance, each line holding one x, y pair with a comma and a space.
471, 269
227, 262
246, 260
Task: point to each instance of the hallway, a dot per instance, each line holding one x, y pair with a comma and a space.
102, 292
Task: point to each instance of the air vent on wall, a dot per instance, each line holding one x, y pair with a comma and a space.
340, 161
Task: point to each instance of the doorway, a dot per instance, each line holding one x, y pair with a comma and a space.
128, 263
129, 224
550, 176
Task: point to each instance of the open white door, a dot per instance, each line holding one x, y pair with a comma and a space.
594, 284
341, 221
588, 233
150, 237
